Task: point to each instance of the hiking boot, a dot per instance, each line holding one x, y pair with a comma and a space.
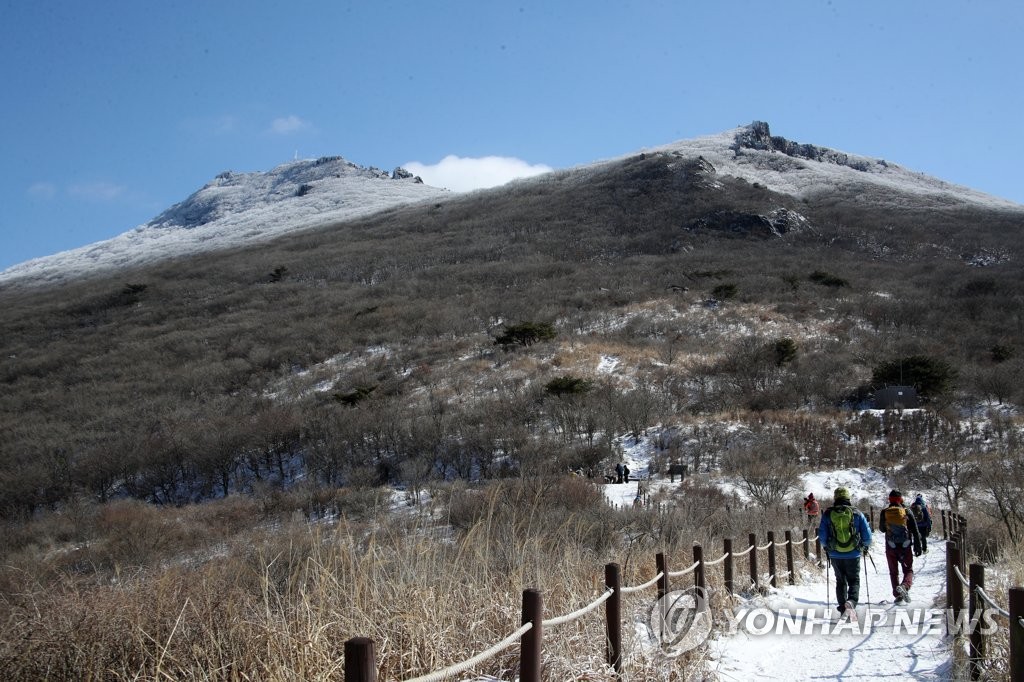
850, 612
901, 595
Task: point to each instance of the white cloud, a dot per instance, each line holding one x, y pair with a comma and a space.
287, 125
42, 190
97, 191
464, 174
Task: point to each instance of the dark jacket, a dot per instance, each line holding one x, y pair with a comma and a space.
924, 519
912, 530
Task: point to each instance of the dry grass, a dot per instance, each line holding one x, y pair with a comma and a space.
277, 602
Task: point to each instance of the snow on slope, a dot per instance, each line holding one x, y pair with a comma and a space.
806, 642
731, 154
235, 209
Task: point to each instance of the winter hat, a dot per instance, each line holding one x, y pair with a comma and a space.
810, 496
841, 493
895, 496
919, 498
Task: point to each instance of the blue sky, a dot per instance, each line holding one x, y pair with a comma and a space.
115, 110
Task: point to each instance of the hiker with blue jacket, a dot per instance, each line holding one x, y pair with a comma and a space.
901, 538
845, 533
924, 520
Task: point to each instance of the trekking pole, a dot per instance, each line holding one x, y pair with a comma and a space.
872, 564
867, 585
828, 599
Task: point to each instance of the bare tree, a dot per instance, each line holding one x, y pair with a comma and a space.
767, 473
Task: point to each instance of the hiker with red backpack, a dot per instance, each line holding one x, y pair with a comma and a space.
846, 534
924, 520
811, 507
901, 538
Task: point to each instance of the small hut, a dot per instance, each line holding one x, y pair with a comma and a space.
896, 398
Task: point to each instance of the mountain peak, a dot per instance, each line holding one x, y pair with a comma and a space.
230, 192
235, 209
758, 136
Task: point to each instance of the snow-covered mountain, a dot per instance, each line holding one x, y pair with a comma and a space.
806, 171
243, 208
235, 209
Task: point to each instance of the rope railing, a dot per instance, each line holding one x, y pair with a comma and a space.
360, 665
462, 667
718, 560
980, 591
960, 576
637, 588
679, 574
579, 613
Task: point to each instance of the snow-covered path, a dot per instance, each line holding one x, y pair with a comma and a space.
808, 643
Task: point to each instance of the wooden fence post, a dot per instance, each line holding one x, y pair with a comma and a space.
530, 644
871, 518
1016, 634
976, 608
727, 543
789, 557
956, 587
949, 578
807, 546
771, 559
613, 618
360, 661
945, 534
753, 560
699, 578
817, 550
661, 566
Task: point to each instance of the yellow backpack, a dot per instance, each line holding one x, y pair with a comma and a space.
896, 533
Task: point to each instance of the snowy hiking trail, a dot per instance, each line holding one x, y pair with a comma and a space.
903, 642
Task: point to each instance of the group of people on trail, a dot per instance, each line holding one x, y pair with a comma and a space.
621, 473
846, 534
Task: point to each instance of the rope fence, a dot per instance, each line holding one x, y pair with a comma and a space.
360, 655
979, 603
980, 591
638, 588
718, 560
360, 661
462, 667
680, 574
575, 615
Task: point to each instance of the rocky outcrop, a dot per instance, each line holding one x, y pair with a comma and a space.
757, 136
401, 174
776, 223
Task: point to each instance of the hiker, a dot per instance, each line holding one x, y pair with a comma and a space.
618, 472
845, 533
812, 508
924, 520
901, 537
625, 473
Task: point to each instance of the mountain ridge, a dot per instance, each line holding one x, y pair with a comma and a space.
236, 209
